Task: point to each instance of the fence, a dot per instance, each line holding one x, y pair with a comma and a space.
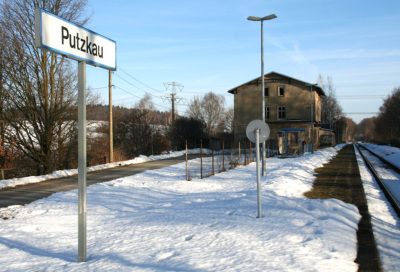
215, 161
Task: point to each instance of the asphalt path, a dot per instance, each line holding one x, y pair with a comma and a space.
25, 194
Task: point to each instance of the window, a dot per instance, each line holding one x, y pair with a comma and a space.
281, 112
281, 91
267, 112
266, 92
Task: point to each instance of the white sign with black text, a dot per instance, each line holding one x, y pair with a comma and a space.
66, 38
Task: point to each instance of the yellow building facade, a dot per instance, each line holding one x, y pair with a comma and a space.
288, 110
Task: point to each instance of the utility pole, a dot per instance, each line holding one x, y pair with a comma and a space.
1, 105
2, 131
172, 98
110, 121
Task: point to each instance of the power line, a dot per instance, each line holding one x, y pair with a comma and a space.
131, 84
162, 106
138, 80
361, 97
173, 98
127, 92
106, 87
350, 113
223, 94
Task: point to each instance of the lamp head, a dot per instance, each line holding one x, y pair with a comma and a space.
254, 18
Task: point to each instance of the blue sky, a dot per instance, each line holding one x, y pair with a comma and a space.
210, 45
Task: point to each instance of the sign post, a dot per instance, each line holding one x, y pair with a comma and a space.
255, 130
82, 161
257, 135
58, 35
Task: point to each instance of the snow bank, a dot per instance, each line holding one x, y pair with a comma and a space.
385, 222
157, 221
390, 153
70, 172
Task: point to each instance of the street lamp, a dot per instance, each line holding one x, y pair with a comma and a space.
253, 18
311, 118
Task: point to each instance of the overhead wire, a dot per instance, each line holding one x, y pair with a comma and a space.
106, 87
140, 89
151, 94
361, 97
162, 106
157, 91
133, 85
136, 87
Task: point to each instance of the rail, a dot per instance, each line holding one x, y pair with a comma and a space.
385, 189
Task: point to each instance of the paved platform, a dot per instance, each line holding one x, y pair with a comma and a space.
340, 179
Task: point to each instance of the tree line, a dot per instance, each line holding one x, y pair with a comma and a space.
384, 128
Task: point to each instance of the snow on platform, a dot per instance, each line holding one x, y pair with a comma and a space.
158, 221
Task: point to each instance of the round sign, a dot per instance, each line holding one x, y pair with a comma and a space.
253, 126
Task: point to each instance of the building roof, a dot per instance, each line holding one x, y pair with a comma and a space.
316, 88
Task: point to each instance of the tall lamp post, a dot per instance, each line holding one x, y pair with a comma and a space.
312, 117
253, 18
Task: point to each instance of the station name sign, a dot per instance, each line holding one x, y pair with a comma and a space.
73, 41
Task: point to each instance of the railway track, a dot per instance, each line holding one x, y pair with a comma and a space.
386, 174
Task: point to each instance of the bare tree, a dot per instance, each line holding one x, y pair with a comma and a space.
331, 109
136, 137
147, 108
39, 87
210, 109
195, 108
227, 121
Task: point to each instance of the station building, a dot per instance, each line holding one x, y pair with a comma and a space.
287, 112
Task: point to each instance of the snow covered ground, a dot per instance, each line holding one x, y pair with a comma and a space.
70, 172
158, 221
390, 153
385, 222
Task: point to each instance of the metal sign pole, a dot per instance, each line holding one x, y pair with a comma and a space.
82, 161
49, 28
257, 132
312, 122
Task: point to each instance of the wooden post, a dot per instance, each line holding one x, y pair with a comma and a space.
223, 155
201, 158
213, 158
186, 161
239, 154
231, 154
245, 153
251, 157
